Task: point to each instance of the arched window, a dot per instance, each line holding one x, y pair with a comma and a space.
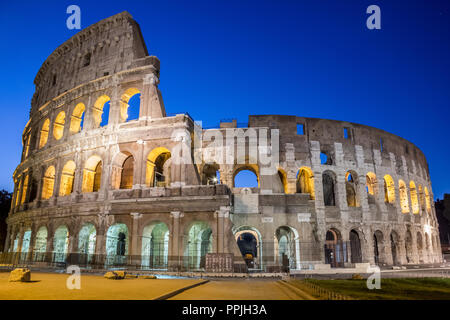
130, 105
24, 189
305, 182
414, 198
427, 200
77, 119
44, 133
389, 189
126, 178
92, 174
210, 174
199, 243
355, 247
283, 181
48, 183
404, 203
58, 126
40, 244
245, 178
60, 244
67, 177
351, 186
155, 246
100, 111
371, 183
421, 198
158, 167
87, 238
116, 244
328, 182
325, 159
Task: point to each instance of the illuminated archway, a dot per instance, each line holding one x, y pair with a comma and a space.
58, 126
40, 244
210, 174
92, 174
123, 171
351, 188
67, 177
86, 243
116, 244
414, 198
199, 243
100, 111
249, 241
77, 118
389, 189
155, 246
335, 249
48, 183
44, 133
287, 247
127, 101
403, 193
305, 182
60, 244
157, 174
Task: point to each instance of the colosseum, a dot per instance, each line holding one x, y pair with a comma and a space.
101, 190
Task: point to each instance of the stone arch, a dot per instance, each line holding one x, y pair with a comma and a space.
77, 118
100, 114
395, 240
87, 240
157, 173
44, 133
355, 247
122, 171
389, 189
48, 183
351, 188
287, 246
246, 167
378, 247
305, 182
198, 244
92, 174
67, 178
117, 244
282, 175
155, 246
124, 103
408, 247
60, 243
252, 252
40, 244
421, 199
210, 174
329, 185
419, 243
414, 198
403, 193
58, 125
26, 244
335, 248
371, 187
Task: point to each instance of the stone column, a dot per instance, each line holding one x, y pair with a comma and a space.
222, 214
152, 105
135, 252
175, 259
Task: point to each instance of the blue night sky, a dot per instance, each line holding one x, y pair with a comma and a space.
228, 59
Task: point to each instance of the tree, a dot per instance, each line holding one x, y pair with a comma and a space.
5, 206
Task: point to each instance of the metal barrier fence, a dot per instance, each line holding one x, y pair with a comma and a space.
322, 293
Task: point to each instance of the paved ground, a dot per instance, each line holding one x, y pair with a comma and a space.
51, 286
244, 289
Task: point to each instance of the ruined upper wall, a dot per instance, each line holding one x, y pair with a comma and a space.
104, 48
327, 132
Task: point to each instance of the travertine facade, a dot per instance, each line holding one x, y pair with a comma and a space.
96, 188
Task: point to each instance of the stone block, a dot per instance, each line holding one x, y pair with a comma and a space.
115, 275
20, 275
